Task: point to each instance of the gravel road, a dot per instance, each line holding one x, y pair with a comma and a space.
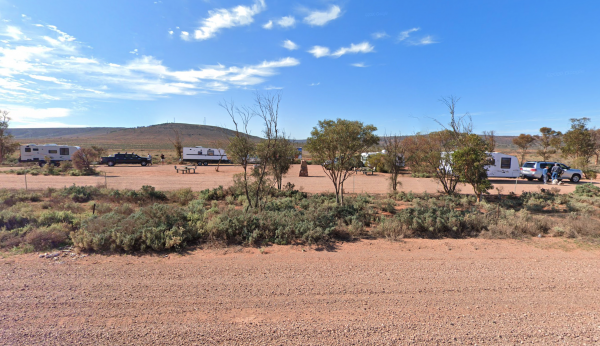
540, 291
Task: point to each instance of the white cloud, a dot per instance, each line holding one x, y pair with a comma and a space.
185, 35
286, 22
268, 25
227, 18
405, 34
14, 33
364, 47
43, 70
359, 64
319, 51
171, 32
36, 117
134, 52
379, 35
320, 18
270, 87
287, 44
314, 84
424, 41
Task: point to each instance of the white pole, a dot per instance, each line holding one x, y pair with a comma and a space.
25, 181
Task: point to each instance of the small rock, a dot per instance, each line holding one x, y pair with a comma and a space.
42, 256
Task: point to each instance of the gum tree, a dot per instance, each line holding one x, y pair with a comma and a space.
470, 161
337, 144
548, 139
524, 142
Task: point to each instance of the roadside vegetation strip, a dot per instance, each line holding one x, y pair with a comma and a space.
108, 220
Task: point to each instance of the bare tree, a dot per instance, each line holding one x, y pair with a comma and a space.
490, 138
7, 143
218, 144
177, 144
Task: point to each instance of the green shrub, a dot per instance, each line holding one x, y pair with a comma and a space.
182, 196
215, 194
588, 190
50, 237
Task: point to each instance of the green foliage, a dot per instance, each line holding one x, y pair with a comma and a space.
524, 141
578, 142
469, 163
338, 143
378, 162
588, 190
7, 143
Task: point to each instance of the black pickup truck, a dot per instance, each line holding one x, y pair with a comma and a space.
125, 159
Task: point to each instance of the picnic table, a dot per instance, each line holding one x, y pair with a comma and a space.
366, 170
185, 169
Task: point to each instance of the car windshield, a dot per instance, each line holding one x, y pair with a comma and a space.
529, 165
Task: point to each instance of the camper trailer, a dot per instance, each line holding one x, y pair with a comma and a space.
204, 156
500, 165
38, 153
503, 166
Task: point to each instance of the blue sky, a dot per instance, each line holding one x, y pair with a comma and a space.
517, 65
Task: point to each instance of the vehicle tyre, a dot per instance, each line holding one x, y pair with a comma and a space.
110, 163
144, 163
575, 178
206, 163
41, 164
529, 179
541, 178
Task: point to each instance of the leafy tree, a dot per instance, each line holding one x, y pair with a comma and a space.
524, 142
282, 160
470, 161
578, 142
337, 144
393, 158
549, 140
7, 143
596, 139
377, 162
83, 159
490, 138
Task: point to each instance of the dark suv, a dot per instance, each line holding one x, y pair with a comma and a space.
124, 159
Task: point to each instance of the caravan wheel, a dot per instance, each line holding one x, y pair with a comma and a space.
206, 163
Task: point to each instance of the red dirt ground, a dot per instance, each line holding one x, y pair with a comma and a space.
165, 178
476, 291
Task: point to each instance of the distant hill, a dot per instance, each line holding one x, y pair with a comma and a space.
145, 137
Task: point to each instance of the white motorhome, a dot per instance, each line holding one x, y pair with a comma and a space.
202, 156
503, 166
38, 153
364, 157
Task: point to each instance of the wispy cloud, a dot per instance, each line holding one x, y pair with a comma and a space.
424, 41
286, 22
319, 51
268, 25
406, 34
314, 84
270, 87
288, 44
134, 52
359, 64
320, 18
227, 18
364, 47
379, 35
38, 117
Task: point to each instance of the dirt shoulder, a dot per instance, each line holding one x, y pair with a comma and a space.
540, 291
165, 178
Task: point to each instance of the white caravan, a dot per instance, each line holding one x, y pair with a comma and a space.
503, 166
202, 156
38, 153
500, 165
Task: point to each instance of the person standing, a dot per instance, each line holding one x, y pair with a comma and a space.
162, 158
554, 172
545, 174
149, 159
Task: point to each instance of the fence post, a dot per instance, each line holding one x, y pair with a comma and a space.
25, 181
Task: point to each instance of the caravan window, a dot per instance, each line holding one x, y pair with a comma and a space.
52, 151
199, 152
35, 149
27, 150
491, 161
64, 151
210, 152
505, 163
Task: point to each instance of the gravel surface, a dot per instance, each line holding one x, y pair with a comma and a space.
540, 291
165, 178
